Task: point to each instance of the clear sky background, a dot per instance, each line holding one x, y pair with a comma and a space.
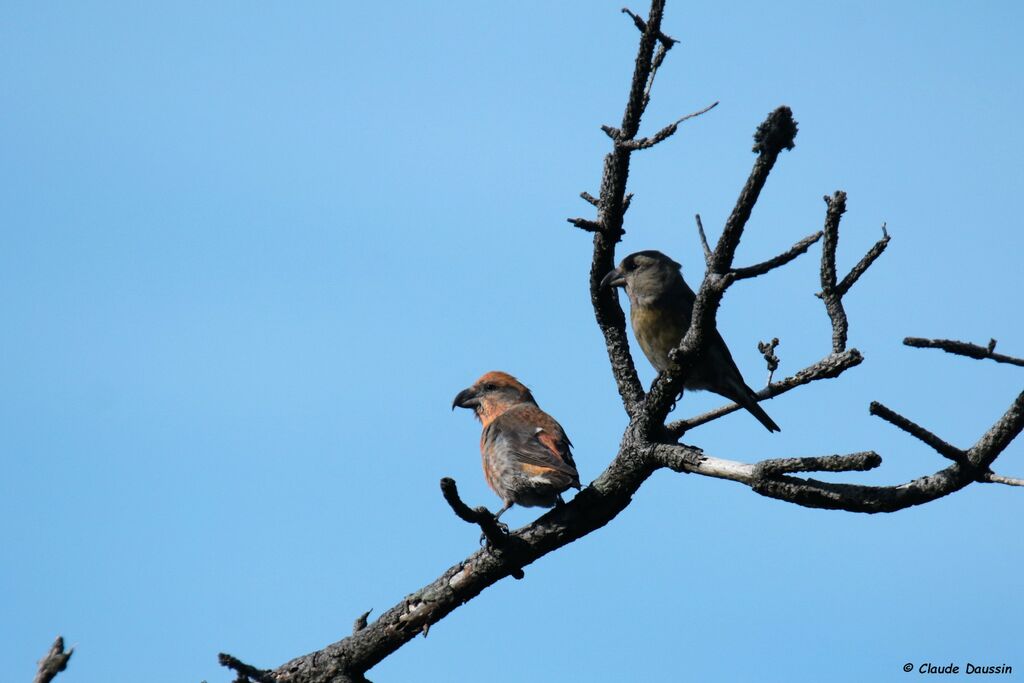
250, 252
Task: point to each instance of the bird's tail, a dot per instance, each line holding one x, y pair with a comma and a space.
748, 399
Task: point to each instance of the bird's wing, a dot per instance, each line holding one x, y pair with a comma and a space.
532, 437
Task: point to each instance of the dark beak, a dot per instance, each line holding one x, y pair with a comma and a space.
466, 399
614, 278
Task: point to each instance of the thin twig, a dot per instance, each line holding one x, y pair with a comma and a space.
782, 259
626, 201
767, 350
666, 132
945, 449
493, 530
827, 368
642, 27
55, 661
361, 621
873, 253
246, 671
704, 241
964, 349
585, 224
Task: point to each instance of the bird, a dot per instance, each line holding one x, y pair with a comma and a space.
660, 308
527, 456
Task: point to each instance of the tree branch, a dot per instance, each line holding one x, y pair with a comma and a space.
827, 368
360, 623
964, 349
641, 25
704, 242
854, 462
767, 350
775, 134
494, 531
829, 292
873, 253
246, 672
666, 132
589, 510
782, 259
945, 449
585, 224
994, 478
55, 661
611, 210
642, 449
855, 497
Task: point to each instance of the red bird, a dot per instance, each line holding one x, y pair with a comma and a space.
525, 451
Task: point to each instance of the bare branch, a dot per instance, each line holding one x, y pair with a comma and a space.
775, 134
360, 623
659, 57
641, 451
590, 509
767, 350
827, 368
645, 66
585, 224
493, 530
994, 478
667, 131
964, 349
704, 241
642, 27
55, 661
612, 132
854, 462
688, 459
829, 294
855, 497
604, 499
945, 449
992, 443
626, 201
873, 253
782, 259
246, 672
611, 209
678, 457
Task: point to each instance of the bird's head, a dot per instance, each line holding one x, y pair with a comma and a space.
493, 394
646, 275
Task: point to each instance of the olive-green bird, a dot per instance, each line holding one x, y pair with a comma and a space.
660, 308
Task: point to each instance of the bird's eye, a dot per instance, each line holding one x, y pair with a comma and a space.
488, 387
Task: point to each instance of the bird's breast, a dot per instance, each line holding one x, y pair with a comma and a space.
658, 331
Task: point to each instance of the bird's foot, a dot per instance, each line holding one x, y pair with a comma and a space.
502, 527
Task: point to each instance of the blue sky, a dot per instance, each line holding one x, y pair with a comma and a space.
249, 253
